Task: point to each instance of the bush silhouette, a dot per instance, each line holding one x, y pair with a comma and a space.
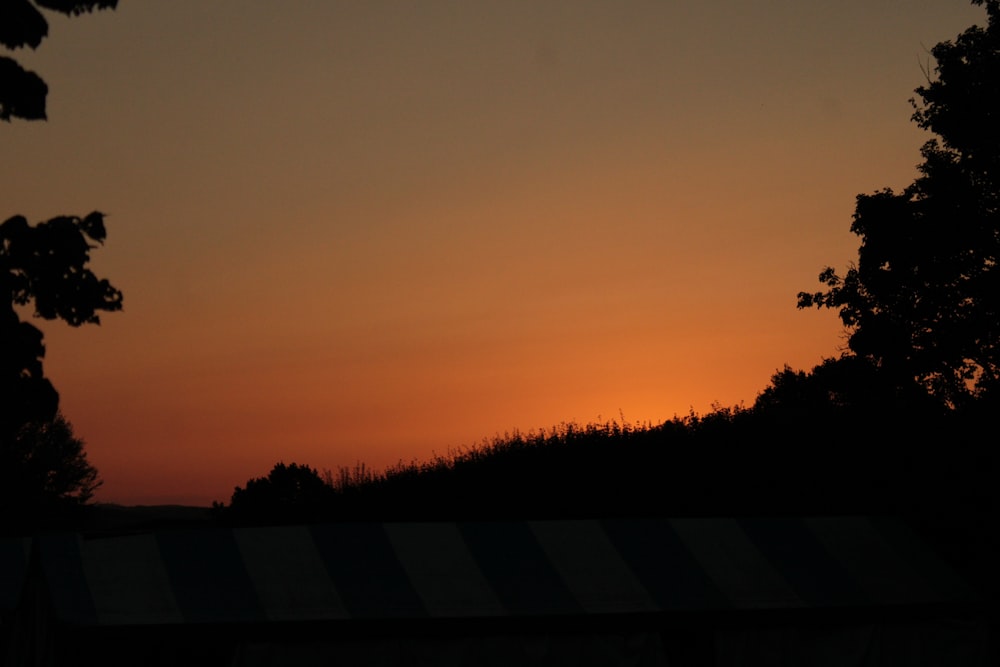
289, 493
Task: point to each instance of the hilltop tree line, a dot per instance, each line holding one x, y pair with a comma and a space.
798, 449
893, 424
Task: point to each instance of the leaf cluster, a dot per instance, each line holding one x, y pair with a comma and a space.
22, 92
47, 264
44, 266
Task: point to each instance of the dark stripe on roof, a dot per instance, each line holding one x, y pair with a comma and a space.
207, 574
517, 568
743, 575
817, 578
63, 567
882, 574
942, 583
366, 571
664, 565
14, 565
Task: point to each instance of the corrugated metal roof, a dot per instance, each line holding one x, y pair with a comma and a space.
491, 569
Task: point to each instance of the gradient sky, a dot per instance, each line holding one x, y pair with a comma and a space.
370, 231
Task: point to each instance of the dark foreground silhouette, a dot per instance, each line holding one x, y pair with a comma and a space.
808, 447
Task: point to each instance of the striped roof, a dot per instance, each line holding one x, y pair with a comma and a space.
491, 569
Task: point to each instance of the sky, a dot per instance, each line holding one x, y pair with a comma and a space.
381, 231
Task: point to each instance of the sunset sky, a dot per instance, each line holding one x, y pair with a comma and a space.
371, 231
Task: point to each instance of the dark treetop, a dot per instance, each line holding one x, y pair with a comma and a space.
923, 300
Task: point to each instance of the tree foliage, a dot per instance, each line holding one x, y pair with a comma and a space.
829, 391
290, 492
44, 267
923, 300
22, 92
46, 467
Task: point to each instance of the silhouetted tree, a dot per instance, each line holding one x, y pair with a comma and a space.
289, 493
22, 93
838, 385
45, 470
923, 300
44, 266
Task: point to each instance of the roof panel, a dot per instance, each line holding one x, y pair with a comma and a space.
128, 582
208, 577
365, 570
516, 567
591, 567
664, 565
62, 568
14, 553
442, 570
884, 576
736, 566
289, 577
817, 578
